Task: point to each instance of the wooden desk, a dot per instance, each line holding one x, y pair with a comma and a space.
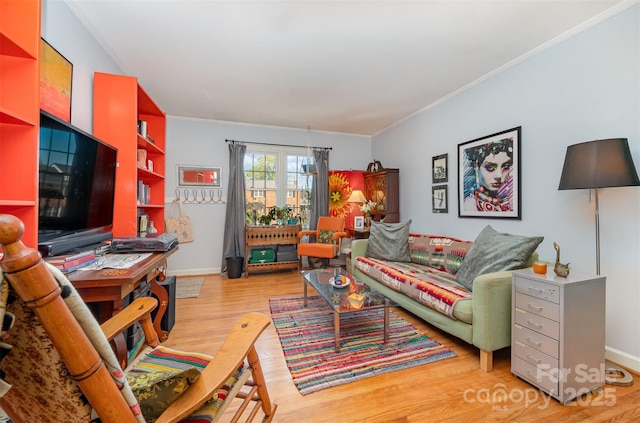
107, 289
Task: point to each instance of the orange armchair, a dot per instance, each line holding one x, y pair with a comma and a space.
328, 234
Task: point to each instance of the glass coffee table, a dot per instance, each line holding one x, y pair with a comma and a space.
352, 298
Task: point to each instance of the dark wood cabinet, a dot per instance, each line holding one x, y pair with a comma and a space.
383, 187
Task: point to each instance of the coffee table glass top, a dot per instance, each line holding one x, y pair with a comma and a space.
355, 296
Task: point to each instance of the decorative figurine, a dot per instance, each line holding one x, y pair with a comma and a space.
561, 270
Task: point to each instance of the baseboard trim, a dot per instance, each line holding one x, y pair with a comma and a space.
622, 358
193, 272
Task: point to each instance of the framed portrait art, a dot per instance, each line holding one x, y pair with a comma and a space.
440, 169
439, 197
489, 176
358, 222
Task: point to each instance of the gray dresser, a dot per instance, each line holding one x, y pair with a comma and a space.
558, 332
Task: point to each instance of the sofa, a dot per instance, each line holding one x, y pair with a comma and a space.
460, 287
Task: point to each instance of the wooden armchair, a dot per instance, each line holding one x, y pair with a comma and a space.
329, 232
87, 382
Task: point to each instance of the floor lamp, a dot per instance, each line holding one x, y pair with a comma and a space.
593, 165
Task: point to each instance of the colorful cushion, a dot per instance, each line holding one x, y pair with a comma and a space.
439, 252
325, 236
493, 251
208, 411
160, 377
434, 288
41, 389
389, 241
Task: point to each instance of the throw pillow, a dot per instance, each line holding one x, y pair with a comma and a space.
325, 236
389, 241
493, 251
162, 376
439, 252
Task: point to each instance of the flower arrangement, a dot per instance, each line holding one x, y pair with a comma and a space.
368, 207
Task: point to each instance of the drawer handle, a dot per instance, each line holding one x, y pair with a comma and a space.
531, 341
538, 325
538, 378
538, 290
537, 360
531, 306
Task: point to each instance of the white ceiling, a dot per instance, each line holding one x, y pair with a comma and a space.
344, 66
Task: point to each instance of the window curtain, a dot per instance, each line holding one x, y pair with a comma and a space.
234, 226
319, 188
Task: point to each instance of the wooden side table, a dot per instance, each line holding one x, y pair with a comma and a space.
357, 233
265, 235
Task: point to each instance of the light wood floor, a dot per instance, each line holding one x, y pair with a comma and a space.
452, 390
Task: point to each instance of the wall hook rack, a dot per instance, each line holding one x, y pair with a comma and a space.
203, 196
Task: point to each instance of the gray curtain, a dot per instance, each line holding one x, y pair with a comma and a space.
319, 197
234, 223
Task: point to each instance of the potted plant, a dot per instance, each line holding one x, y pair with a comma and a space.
280, 214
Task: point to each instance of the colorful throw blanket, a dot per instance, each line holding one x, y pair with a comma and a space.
434, 288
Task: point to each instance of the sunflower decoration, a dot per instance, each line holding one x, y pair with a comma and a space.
339, 192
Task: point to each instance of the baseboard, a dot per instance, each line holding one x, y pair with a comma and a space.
193, 272
622, 358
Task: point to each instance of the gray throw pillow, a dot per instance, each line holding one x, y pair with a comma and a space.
493, 251
389, 241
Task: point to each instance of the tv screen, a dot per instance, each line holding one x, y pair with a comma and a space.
76, 182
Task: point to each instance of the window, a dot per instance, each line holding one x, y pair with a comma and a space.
273, 177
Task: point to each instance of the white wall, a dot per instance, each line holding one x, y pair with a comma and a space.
65, 33
196, 142
189, 141
584, 88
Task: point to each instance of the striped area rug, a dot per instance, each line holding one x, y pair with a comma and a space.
307, 339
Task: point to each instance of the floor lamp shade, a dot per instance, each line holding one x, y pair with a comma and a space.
598, 164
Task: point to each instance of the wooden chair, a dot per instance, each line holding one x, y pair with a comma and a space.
49, 307
329, 232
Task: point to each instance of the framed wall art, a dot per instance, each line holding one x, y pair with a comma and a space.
56, 74
440, 169
199, 176
440, 199
489, 176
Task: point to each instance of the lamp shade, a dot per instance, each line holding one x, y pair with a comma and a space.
598, 164
356, 197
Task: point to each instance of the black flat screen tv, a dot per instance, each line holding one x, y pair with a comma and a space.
76, 181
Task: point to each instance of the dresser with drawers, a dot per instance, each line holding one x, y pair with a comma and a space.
558, 332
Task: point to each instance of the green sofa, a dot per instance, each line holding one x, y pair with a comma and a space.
483, 319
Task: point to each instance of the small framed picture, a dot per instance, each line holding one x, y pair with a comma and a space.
358, 222
439, 195
200, 176
440, 167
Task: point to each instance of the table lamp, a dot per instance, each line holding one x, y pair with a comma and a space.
357, 197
